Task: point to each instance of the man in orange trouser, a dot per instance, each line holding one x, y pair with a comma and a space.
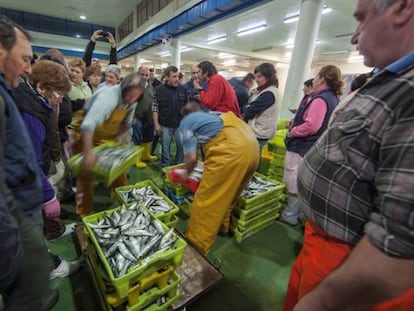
109, 112
356, 183
231, 156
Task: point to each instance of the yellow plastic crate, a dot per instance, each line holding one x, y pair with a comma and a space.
244, 226
164, 217
241, 236
248, 203
282, 124
178, 190
171, 297
149, 265
147, 290
75, 163
173, 222
247, 214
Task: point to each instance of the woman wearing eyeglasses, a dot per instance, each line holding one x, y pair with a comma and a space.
35, 97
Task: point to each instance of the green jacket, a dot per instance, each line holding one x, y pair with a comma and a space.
143, 111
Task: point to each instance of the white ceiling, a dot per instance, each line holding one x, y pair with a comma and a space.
249, 50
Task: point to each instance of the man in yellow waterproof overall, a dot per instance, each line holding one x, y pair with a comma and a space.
107, 116
231, 157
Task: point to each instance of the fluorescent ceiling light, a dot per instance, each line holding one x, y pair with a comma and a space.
216, 39
185, 48
326, 10
164, 65
295, 17
164, 54
77, 35
291, 19
224, 55
290, 45
334, 52
229, 62
82, 17
282, 65
250, 30
355, 59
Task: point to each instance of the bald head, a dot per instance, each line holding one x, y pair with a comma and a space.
195, 71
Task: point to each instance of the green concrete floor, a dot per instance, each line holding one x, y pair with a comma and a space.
255, 271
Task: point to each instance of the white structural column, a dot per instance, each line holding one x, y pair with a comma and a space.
302, 54
137, 62
176, 43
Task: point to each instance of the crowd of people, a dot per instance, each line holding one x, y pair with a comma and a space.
348, 168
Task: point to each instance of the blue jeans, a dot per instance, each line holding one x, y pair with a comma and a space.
143, 132
262, 142
166, 137
137, 132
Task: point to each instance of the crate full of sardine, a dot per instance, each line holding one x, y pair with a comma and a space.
148, 195
259, 190
113, 160
132, 244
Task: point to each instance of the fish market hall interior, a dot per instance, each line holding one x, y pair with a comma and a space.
136, 246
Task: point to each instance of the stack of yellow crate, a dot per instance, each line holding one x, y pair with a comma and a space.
253, 214
151, 284
277, 149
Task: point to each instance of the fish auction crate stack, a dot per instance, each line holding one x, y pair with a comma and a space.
135, 269
152, 198
258, 206
277, 148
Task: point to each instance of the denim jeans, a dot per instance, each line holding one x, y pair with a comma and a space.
137, 132
143, 132
32, 282
262, 142
166, 138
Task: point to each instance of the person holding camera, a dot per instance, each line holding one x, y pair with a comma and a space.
87, 56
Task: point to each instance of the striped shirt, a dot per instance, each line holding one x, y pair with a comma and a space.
358, 178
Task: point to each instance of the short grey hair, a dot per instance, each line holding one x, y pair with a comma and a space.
115, 69
382, 5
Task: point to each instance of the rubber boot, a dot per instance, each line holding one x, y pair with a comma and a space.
146, 153
139, 163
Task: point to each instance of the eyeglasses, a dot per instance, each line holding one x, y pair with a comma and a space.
195, 72
57, 95
144, 75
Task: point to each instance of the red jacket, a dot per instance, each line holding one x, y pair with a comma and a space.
219, 96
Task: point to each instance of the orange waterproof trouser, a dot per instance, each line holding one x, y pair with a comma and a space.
320, 256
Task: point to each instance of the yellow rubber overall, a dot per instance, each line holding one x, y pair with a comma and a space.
106, 132
231, 158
